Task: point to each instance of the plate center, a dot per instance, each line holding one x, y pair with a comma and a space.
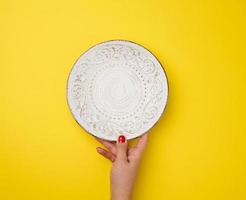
117, 91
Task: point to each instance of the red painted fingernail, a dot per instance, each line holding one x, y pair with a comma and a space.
121, 139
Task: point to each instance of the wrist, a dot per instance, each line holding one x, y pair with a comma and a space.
121, 196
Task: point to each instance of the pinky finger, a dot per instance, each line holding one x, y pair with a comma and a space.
106, 154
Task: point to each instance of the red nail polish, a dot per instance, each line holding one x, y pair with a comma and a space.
121, 139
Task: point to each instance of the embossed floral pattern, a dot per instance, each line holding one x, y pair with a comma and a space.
117, 87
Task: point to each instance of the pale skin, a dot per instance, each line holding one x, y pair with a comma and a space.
125, 162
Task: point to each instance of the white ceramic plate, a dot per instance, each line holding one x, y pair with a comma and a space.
117, 87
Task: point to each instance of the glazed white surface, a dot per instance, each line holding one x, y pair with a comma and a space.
117, 87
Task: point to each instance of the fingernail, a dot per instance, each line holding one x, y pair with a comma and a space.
99, 150
121, 139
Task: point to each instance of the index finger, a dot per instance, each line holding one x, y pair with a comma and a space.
109, 145
142, 143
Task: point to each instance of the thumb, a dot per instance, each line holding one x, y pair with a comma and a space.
121, 148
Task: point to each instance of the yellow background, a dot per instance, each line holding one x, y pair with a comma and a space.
197, 151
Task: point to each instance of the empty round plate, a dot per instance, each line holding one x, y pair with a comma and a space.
117, 87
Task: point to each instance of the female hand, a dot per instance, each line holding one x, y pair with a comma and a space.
125, 164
